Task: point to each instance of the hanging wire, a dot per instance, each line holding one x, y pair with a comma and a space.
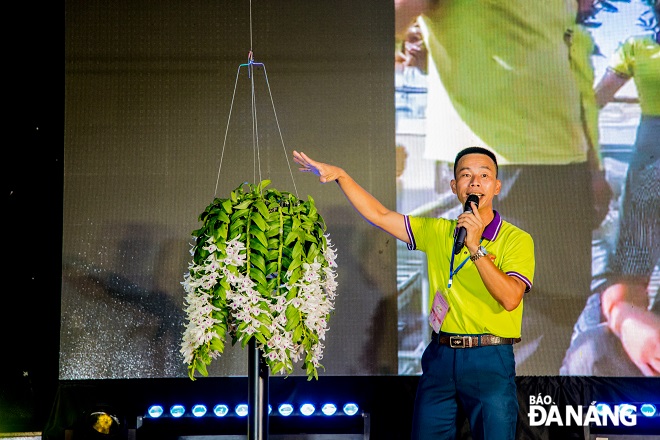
256, 154
251, 27
256, 157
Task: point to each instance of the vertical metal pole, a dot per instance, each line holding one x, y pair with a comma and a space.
257, 394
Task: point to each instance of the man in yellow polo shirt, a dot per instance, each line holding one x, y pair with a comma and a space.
478, 305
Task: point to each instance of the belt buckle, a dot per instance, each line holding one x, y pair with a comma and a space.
460, 341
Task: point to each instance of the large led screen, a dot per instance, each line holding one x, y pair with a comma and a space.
160, 118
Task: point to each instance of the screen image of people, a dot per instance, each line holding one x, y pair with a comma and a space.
565, 93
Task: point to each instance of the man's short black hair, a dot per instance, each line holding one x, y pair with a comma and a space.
477, 150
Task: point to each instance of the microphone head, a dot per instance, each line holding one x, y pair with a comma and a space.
472, 198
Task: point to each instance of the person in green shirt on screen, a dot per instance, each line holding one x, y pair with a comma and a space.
477, 300
514, 76
618, 333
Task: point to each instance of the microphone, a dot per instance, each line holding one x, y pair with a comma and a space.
459, 242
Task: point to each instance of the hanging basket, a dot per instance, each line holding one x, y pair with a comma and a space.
264, 268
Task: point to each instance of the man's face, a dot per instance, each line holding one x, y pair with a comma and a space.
476, 174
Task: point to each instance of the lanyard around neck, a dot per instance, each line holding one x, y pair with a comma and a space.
453, 272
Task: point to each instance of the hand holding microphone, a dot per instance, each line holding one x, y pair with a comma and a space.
459, 241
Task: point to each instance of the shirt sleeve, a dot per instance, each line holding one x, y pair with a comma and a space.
519, 260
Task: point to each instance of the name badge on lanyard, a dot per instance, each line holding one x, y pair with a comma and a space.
438, 311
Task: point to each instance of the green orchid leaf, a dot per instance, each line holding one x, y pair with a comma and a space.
295, 264
258, 276
259, 221
257, 246
236, 228
264, 319
263, 184
264, 289
259, 262
295, 276
292, 323
259, 235
273, 254
262, 208
227, 206
272, 232
220, 233
309, 237
238, 213
201, 368
218, 344
297, 333
271, 267
297, 250
290, 238
260, 337
222, 216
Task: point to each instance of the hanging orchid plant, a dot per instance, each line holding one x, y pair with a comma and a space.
264, 268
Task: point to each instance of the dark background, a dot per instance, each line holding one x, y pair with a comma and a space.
30, 388
32, 175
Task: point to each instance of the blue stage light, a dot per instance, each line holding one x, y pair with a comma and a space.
329, 409
603, 408
350, 409
177, 410
155, 411
220, 410
627, 409
241, 410
307, 409
648, 409
270, 409
198, 410
285, 409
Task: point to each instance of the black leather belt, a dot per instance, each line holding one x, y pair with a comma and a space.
462, 341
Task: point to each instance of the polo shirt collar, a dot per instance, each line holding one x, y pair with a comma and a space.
493, 228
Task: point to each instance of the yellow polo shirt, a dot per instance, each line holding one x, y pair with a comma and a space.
472, 309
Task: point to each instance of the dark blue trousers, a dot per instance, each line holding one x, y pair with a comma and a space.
480, 379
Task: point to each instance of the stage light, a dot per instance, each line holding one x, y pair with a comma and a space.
329, 409
627, 409
350, 409
198, 410
177, 411
103, 422
285, 409
270, 409
155, 411
241, 410
307, 409
220, 410
648, 409
603, 408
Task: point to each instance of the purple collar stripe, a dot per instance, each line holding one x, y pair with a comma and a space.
493, 228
